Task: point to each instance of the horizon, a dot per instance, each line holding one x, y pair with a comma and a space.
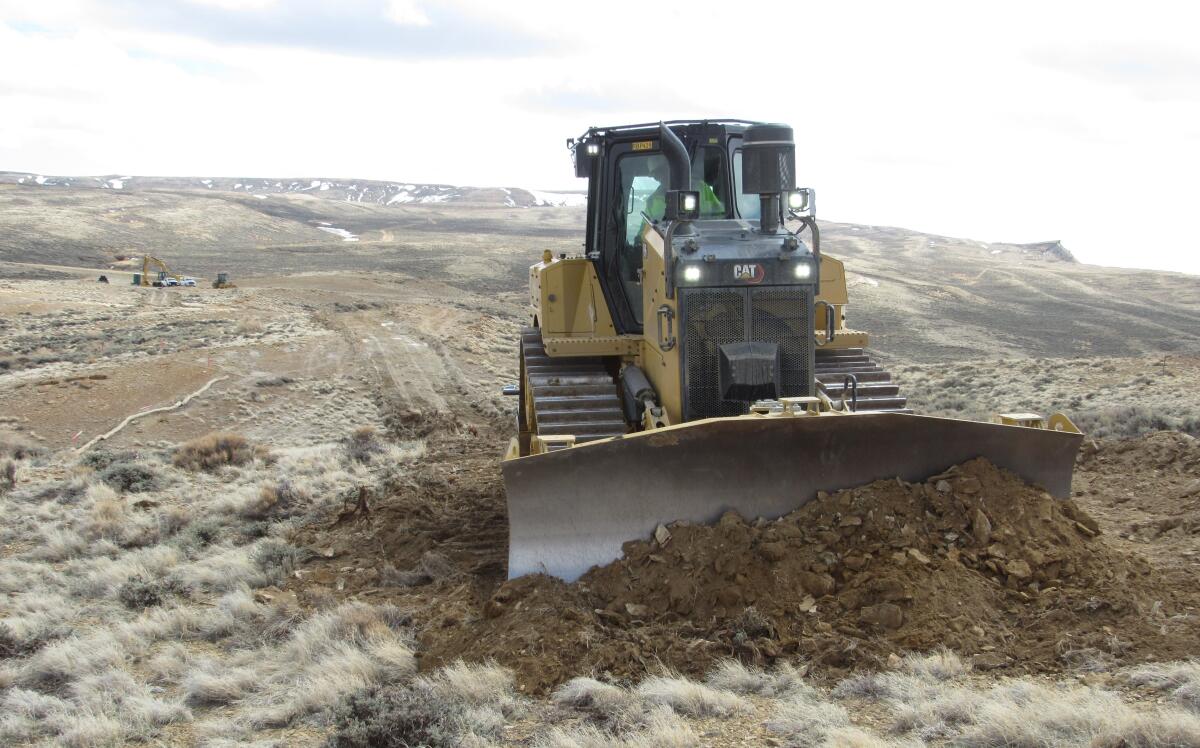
1026, 124
914, 229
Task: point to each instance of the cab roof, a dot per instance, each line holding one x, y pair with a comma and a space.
651, 128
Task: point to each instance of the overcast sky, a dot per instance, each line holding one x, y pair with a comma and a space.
1002, 121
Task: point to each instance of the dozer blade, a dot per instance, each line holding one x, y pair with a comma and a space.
572, 509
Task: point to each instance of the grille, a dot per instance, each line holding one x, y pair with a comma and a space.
780, 315
712, 317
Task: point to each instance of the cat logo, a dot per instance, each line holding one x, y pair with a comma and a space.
750, 272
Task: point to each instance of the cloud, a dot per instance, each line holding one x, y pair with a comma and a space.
235, 4
1151, 72
361, 28
610, 100
406, 13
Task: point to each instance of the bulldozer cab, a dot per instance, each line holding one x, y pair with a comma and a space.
628, 178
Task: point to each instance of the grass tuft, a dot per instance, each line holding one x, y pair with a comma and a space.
131, 477
732, 675
213, 451
139, 593
278, 559
364, 444
690, 699
460, 704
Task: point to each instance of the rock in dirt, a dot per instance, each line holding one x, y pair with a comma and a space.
887, 615
1019, 569
662, 535
981, 528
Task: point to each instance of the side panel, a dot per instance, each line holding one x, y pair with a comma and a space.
660, 358
833, 282
568, 298
834, 291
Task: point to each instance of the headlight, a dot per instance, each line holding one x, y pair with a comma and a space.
593, 149
803, 271
803, 202
691, 273
689, 202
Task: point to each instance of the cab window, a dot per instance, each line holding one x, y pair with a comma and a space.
747, 205
708, 178
642, 179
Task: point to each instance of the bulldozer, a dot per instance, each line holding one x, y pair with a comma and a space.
695, 358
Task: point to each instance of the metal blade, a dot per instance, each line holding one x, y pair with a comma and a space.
573, 509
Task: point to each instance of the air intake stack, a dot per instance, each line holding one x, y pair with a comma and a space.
769, 170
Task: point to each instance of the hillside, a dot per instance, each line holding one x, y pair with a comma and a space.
923, 297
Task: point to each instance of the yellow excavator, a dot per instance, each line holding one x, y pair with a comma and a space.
164, 274
695, 358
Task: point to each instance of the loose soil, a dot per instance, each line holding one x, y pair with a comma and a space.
973, 559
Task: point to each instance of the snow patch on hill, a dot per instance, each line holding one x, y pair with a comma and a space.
346, 235
558, 199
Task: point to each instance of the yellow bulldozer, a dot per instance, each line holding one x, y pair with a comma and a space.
695, 358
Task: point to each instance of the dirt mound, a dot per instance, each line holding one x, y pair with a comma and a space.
973, 559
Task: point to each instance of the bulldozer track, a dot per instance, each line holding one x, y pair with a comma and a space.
877, 393
571, 396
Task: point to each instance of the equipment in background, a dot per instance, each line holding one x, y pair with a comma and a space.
222, 281
165, 277
695, 358
102, 279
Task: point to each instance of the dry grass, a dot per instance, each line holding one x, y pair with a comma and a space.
940, 665
1021, 713
1107, 398
8, 476
17, 446
690, 699
459, 705
606, 699
249, 326
807, 719
151, 596
931, 700
1181, 680
364, 444
213, 451
661, 729
731, 675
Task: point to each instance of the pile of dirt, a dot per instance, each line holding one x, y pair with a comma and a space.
973, 559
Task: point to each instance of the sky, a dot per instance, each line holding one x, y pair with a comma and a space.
1020, 122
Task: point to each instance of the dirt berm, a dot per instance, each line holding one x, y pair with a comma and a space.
973, 559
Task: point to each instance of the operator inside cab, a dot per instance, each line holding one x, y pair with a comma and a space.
644, 179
